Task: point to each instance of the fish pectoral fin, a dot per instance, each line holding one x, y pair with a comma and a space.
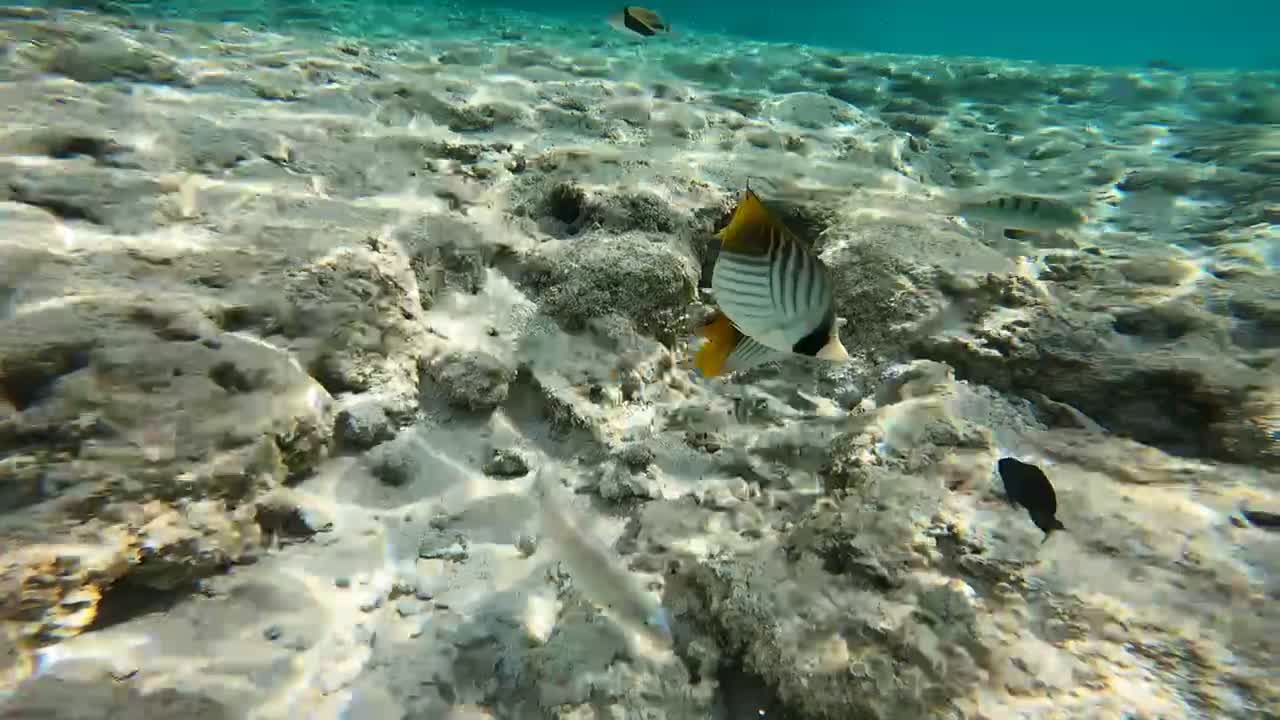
721, 339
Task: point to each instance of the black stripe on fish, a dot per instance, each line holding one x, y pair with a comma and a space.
798, 288
793, 274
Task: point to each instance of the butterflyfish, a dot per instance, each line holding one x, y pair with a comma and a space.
773, 290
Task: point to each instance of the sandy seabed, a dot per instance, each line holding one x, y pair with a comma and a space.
288, 322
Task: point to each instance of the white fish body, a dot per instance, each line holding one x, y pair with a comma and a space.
596, 572
1022, 212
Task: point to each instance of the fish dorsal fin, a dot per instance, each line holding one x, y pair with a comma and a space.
722, 337
751, 228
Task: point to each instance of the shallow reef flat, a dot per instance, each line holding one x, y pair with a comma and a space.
289, 320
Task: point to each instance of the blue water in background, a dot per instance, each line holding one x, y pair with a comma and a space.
1239, 34
1242, 34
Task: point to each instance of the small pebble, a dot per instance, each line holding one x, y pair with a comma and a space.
342, 582
453, 553
441, 545
506, 464
272, 633
527, 544
408, 607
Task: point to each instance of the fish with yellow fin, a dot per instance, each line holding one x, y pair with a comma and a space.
727, 350
774, 297
638, 20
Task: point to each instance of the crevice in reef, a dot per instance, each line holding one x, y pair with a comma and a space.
126, 599
63, 209
743, 694
26, 383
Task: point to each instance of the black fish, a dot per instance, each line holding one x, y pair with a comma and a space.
1026, 485
1262, 518
1162, 64
641, 21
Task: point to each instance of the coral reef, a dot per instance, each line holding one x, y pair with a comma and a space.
288, 323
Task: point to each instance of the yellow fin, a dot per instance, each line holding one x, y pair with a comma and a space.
722, 337
752, 225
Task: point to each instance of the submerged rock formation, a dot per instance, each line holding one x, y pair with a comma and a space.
288, 324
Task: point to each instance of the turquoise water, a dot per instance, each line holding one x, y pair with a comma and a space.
1239, 34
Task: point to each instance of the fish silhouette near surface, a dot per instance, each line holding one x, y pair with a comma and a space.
774, 297
638, 20
1027, 485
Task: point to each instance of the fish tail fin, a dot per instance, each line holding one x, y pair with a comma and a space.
994, 235
993, 232
834, 351
722, 337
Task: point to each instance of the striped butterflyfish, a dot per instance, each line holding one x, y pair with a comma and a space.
772, 291
641, 21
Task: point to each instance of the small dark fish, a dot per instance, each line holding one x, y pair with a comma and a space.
1261, 518
1026, 485
1162, 64
641, 21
